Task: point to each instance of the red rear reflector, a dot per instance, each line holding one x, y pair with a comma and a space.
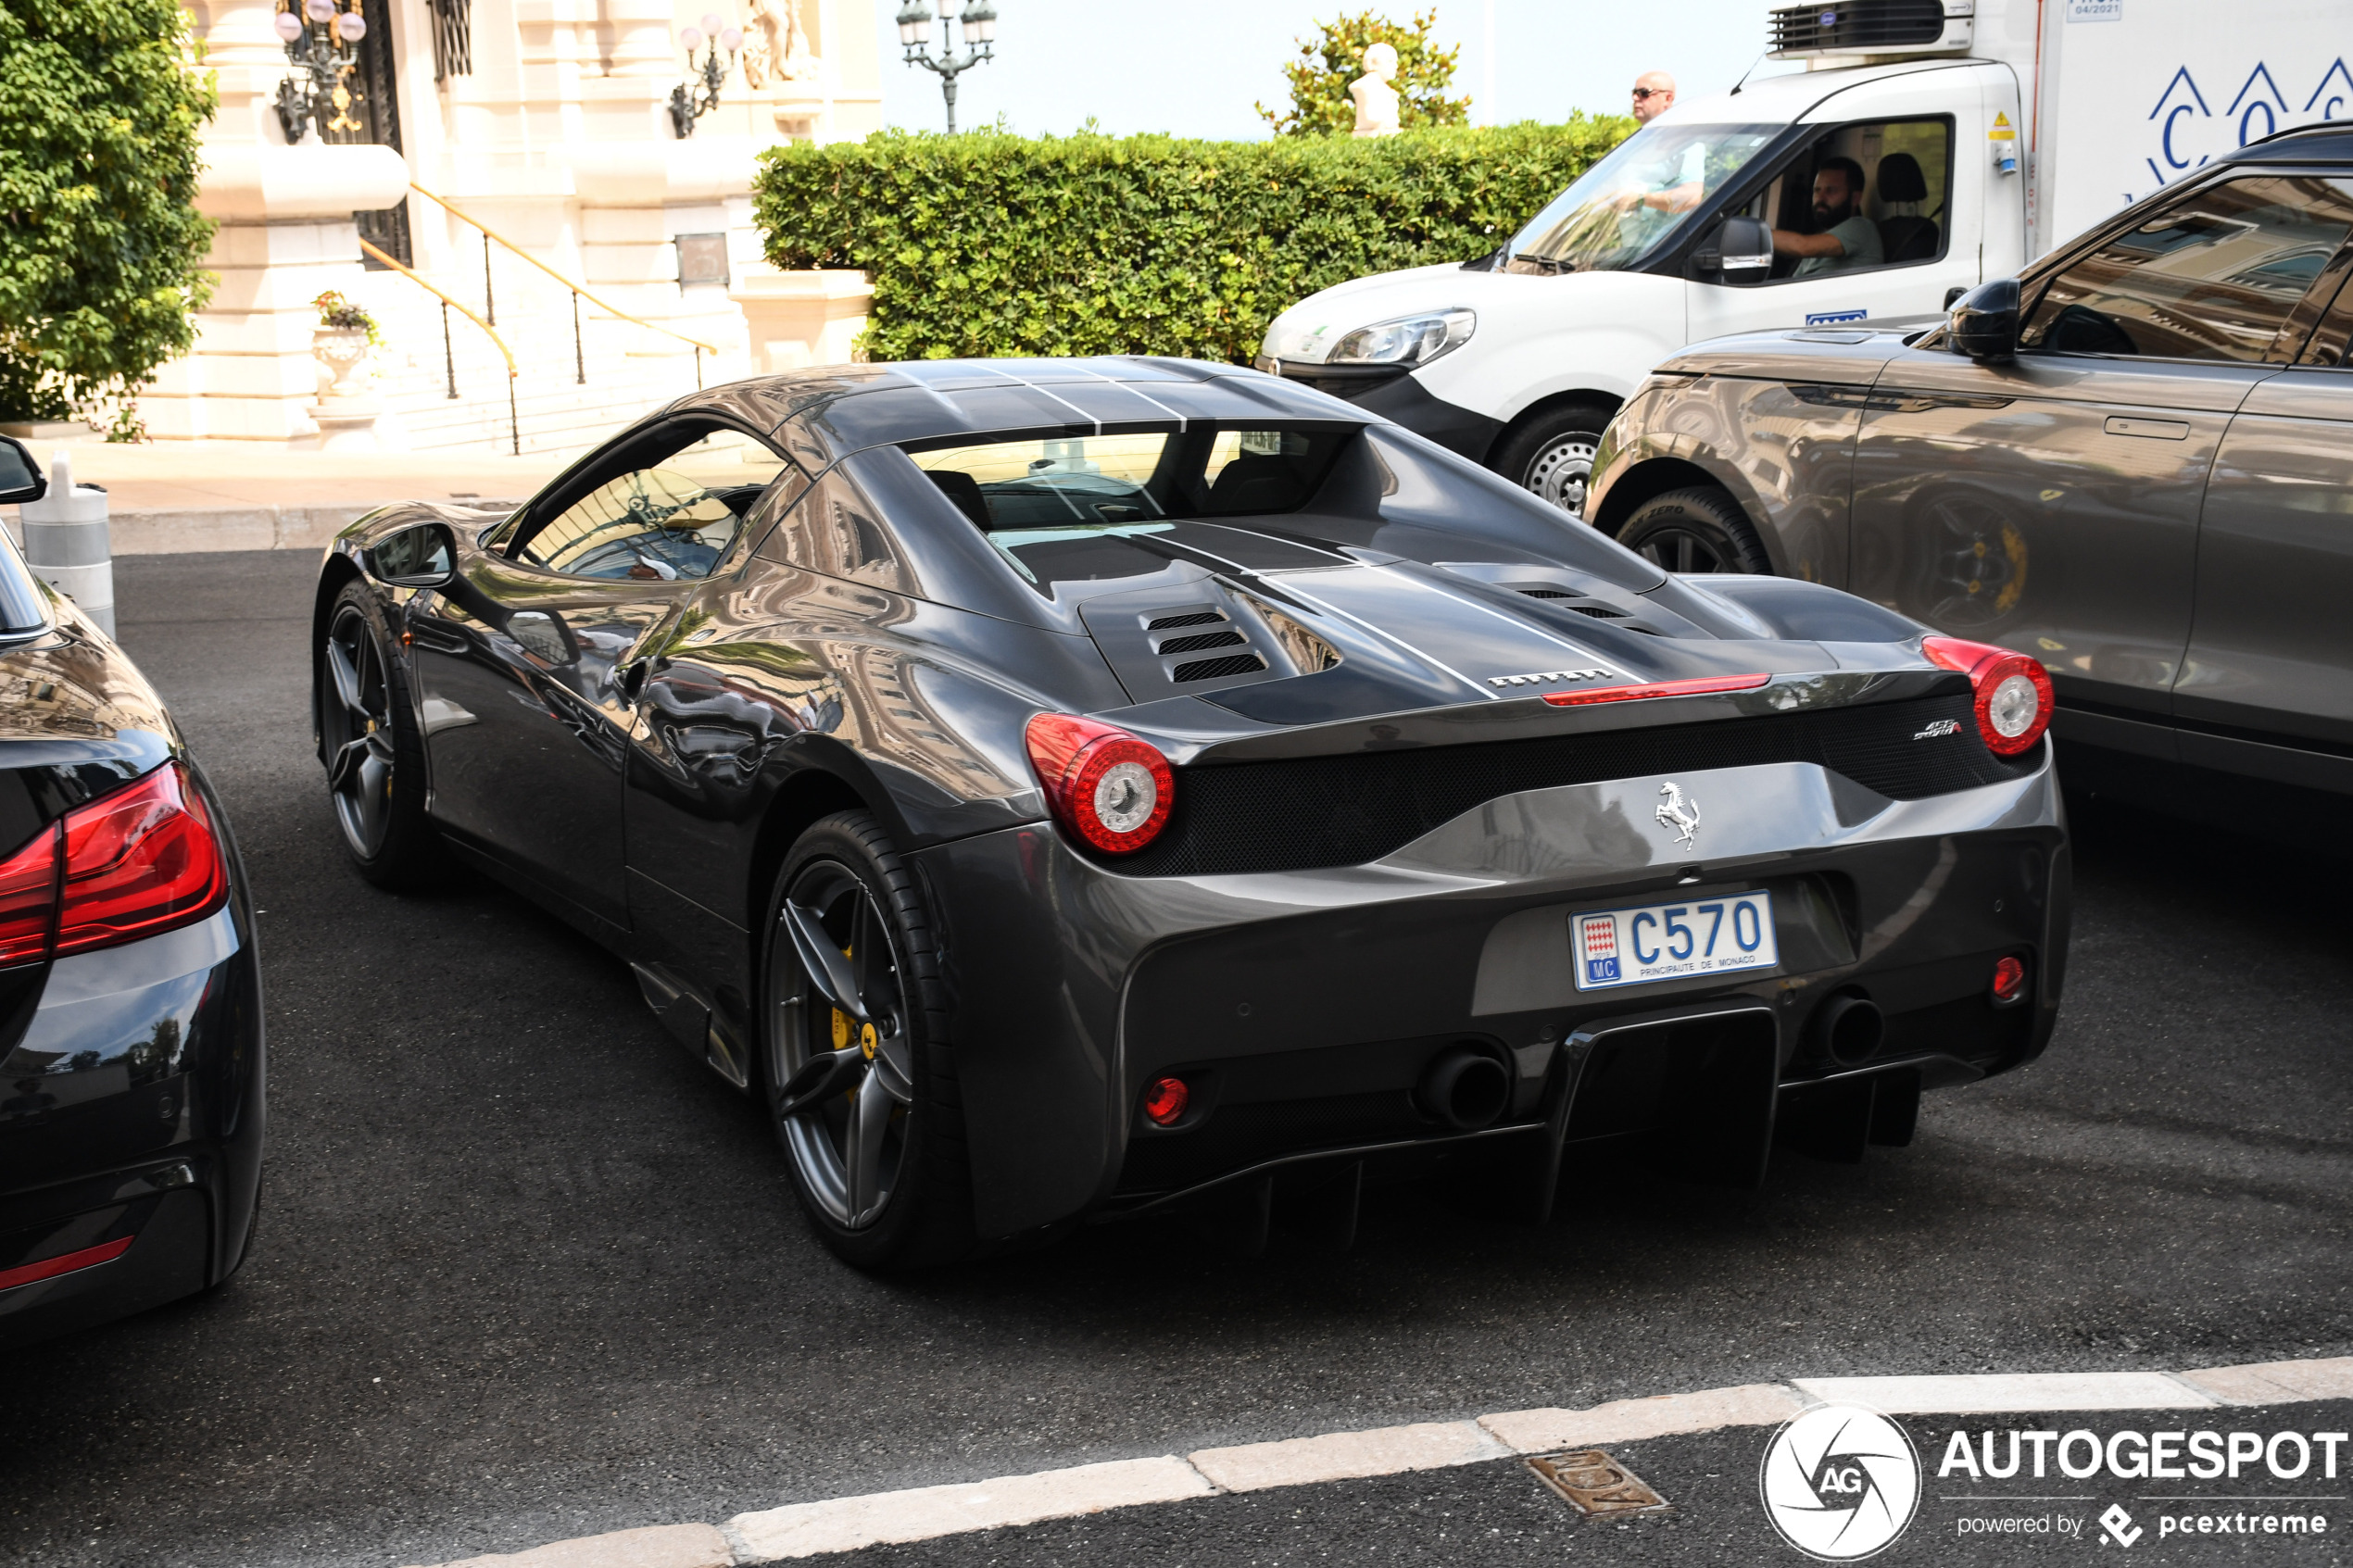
1656, 688
2009, 980
142, 860
50, 1268
1165, 1102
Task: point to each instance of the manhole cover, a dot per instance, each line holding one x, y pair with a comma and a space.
1597, 1486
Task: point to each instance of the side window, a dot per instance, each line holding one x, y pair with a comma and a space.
2210, 277
2330, 345
674, 515
1860, 197
834, 529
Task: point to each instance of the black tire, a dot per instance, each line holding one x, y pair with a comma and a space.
1552, 454
1701, 529
370, 742
915, 1205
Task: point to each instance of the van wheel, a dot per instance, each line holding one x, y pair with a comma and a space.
1553, 454
1697, 529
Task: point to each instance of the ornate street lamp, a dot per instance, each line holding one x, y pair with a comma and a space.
321, 39
980, 41
686, 106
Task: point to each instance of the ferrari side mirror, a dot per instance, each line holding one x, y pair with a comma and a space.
422, 557
1984, 323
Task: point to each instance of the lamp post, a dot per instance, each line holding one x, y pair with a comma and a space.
321, 39
686, 106
980, 41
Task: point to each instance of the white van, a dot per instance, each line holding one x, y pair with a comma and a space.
1972, 157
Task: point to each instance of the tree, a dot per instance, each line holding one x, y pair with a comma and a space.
1319, 102
100, 243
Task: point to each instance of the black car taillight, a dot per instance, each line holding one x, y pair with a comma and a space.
2013, 691
1104, 784
142, 860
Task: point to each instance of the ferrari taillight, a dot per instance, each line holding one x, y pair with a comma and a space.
1103, 783
131, 864
2013, 691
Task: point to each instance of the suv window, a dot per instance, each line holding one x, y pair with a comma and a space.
2210, 277
671, 514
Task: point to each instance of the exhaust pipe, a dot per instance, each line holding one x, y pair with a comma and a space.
1465, 1089
1849, 1029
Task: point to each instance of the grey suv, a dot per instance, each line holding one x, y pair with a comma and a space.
2135, 463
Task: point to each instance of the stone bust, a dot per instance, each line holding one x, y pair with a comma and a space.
1376, 97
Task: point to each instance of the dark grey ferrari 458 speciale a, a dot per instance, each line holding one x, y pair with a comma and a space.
1066, 789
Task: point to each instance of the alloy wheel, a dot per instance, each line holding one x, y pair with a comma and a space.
1559, 472
844, 1063
1681, 550
357, 728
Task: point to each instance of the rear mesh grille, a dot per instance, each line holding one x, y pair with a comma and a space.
1300, 814
1198, 617
1199, 640
1858, 25
1217, 668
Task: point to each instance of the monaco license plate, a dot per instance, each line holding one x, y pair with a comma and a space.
1652, 942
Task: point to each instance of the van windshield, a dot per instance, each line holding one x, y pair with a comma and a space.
1624, 207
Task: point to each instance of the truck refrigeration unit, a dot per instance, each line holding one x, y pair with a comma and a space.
1966, 137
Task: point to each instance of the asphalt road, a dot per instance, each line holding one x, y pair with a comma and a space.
526, 1271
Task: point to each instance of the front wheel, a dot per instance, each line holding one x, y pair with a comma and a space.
1552, 454
369, 739
859, 1076
1694, 530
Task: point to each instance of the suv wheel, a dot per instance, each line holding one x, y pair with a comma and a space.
1694, 530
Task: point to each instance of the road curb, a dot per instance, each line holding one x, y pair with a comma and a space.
837, 1525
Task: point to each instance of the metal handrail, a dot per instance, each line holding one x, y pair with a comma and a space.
578, 293
448, 352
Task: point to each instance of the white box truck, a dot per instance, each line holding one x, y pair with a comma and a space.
1929, 145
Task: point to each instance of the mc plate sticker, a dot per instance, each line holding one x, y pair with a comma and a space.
1653, 941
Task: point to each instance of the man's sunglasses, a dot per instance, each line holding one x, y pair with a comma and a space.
1652, 93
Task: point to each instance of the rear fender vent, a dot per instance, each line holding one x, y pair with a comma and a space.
1199, 640
1217, 668
1184, 618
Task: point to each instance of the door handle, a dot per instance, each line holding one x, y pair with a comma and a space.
2152, 429
632, 682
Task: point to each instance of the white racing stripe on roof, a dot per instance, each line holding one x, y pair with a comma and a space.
1042, 392
1147, 396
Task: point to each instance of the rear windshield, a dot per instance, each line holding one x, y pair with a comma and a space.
1120, 481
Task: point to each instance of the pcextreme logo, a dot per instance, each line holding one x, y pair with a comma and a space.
1840, 1482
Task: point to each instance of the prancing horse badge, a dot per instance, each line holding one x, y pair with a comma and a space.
1679, 813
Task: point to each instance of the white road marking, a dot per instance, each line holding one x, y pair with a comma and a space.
837, 1525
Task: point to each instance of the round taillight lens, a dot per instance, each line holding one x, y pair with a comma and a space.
1104, 784
2009, 980
2014, 694
1165, 1102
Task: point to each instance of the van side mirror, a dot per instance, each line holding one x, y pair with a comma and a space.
1741, 251
1984, 323
20, 475
422, 557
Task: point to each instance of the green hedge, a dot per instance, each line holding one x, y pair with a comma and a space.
989, 243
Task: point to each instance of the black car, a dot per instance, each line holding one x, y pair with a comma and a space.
2132, 463
131, 1082
1071, 789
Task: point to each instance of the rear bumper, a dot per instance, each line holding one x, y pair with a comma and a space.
1304, 1006
131, 1111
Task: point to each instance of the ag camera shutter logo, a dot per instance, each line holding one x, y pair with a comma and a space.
1840, 1482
